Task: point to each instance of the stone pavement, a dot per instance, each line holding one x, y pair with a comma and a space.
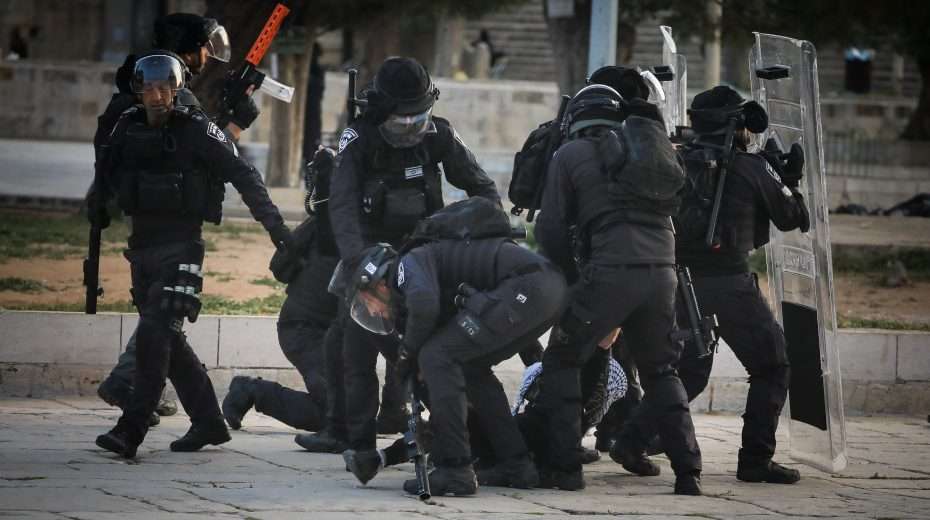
51, 469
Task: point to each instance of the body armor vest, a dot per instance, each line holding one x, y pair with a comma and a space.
400, 187
472, 262
157, 177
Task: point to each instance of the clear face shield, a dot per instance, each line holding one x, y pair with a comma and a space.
371, 308
218, 45
156, 79
406, 130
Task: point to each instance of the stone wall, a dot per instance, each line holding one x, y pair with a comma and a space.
48, 353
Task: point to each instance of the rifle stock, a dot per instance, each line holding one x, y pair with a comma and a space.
92, 270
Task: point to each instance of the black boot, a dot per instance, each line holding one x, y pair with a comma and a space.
635, 462
239, 400
517, 473
458, 481
770, 471
199, 436
550, 478
392, 419
322, 442
688, 484
118, 441
604, 441
363, 464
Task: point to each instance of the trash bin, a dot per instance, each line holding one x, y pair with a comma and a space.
858, 70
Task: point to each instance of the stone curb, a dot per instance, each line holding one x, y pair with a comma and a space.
48, 353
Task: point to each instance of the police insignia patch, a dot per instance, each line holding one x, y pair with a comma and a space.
400, 274
413, 172
215, 132
347, 137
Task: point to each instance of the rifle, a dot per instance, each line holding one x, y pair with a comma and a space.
91, 266
711, 238
414, 450
701, 329
247, 76
552, 144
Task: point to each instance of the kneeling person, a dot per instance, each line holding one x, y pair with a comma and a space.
466, 306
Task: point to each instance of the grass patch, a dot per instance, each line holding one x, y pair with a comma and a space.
852, 322
220, 276
50, 235
268, 282
22, 285
269, 305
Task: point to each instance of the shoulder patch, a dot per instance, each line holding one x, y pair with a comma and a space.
771, 171
215, 132
457, 137
348, 135
401, 278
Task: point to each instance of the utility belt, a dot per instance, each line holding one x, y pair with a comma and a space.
145, 192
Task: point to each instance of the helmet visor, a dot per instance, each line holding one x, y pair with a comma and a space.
371, 308
406, 130
218, 44
156, 72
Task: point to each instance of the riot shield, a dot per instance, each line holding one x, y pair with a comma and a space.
676, 90
783, 72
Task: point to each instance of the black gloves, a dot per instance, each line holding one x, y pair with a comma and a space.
281, 237
124, 75
789, 166
245, 113
406, 363
794, 166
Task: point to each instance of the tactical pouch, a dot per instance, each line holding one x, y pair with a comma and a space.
127, 198
182, 299
403, 208
373, 199
160, 193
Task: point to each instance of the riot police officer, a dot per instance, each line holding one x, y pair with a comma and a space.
387, 178
462, 306
194, 39
760, 188
617, 201
166, 164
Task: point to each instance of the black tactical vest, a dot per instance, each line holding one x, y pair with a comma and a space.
159, 178
400, 187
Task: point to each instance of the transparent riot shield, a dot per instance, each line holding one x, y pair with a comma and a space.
676, 103
783, 72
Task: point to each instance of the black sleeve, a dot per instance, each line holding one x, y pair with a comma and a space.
221, 157
784, 206
345, 193
418, 281
460, 166
107, 120
553, 232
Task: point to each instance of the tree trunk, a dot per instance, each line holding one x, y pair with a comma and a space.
626, 40
918, 128
285, 148
382, 40
569, 38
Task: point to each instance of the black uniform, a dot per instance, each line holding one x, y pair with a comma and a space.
169, 180
629, 251
378, 193
753, 196
519, 295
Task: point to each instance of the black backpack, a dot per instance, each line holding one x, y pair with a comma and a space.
531, 163
642, 166
469, 219
697, 198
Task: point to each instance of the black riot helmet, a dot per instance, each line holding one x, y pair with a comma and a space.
158, 69
368, 294
186, 33
627, 81
401, 101
594, 105
712, 110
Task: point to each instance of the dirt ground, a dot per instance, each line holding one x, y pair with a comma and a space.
230, 272
237, 269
